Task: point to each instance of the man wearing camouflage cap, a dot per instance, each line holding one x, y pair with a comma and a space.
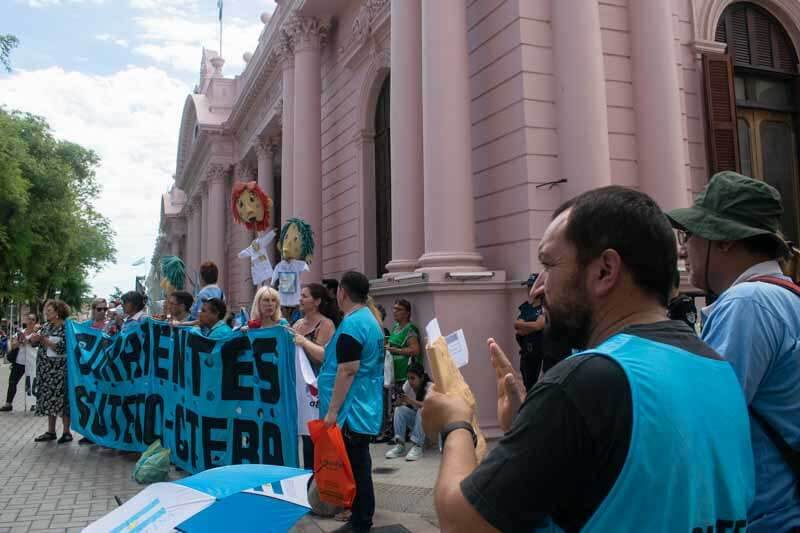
733, 245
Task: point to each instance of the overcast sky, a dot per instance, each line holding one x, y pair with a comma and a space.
112, 75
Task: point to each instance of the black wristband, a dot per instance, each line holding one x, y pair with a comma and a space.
449, 428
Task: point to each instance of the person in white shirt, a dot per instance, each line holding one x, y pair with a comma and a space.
24, 354
407, 415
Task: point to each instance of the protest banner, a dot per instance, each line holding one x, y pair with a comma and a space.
213, 402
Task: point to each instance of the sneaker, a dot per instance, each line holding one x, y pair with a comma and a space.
6, 408
414, 453
397, 450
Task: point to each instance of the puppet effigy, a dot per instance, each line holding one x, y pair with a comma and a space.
173, 273
296, 244
251, 206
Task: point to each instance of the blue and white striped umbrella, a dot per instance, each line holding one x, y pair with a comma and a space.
239, 498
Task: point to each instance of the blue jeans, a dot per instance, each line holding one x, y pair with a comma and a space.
407, 418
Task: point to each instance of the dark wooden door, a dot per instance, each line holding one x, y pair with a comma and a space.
383, 181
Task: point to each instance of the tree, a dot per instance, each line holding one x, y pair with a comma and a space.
51, 236
7, 43
115, 296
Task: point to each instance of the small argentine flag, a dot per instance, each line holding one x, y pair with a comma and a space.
219, 6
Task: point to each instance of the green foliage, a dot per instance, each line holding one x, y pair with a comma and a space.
7, 43
51, 236
116, 295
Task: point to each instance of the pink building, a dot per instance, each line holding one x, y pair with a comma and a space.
428, 142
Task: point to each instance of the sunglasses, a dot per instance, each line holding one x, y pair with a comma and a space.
101, 308
683, 237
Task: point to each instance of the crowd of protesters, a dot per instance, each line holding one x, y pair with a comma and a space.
630, 411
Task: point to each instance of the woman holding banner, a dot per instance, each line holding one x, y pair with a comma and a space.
312, 333
51, 371
266, 310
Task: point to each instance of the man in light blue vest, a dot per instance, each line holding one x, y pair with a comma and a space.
645, 430
732, 236
351, 389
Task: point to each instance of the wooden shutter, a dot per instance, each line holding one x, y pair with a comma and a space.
723, 143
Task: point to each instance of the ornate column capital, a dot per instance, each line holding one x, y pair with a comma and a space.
244, 171
284, 49
216, 172
265, 148
307, 33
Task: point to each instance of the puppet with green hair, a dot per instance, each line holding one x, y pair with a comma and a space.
173, 274
296, 244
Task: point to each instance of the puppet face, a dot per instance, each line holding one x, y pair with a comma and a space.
250, 207
292, 244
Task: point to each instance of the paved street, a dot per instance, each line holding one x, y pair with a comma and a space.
50, 487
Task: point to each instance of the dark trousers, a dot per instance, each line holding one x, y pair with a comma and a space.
357, 446
17, 371
308, 453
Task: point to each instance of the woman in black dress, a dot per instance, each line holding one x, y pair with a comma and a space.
51, 371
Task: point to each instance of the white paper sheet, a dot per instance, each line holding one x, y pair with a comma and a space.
457, 346
432, 331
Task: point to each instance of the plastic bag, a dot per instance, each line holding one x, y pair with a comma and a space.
388, 370
153, 465
332, 471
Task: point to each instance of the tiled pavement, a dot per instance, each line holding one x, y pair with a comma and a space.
63, 488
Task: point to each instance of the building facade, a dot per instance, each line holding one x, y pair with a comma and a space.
428, 142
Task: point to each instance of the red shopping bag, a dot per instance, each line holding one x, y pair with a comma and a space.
332, 470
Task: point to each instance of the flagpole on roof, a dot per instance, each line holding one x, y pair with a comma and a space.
219, 8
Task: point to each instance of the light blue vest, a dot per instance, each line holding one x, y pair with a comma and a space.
690, 463
362, 409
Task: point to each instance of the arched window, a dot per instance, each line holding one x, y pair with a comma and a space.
383, 181
753, 104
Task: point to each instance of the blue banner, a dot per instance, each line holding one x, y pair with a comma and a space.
212, 402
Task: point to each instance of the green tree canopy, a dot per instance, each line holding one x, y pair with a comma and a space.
51, 236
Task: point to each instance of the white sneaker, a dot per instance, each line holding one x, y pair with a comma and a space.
397, 450
415, 453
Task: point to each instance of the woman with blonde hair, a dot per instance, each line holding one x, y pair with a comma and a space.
266, 310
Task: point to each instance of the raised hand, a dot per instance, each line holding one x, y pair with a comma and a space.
509, 385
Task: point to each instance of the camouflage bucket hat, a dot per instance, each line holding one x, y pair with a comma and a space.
732, 208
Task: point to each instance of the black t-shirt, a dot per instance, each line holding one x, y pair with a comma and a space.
568, 442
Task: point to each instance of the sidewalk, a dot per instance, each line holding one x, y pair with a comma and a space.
63, 488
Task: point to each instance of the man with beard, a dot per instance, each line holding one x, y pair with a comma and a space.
646, 430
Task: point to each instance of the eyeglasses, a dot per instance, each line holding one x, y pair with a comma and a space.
683, 237
101, 308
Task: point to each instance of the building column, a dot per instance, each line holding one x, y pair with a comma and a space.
265, 151
446, 128
204, 221
408, 229
582, 115
659, 128
188, 253
286, 55
193, 239
175, 245
308, 35
215, 217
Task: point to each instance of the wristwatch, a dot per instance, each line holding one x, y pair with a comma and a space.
449, 428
